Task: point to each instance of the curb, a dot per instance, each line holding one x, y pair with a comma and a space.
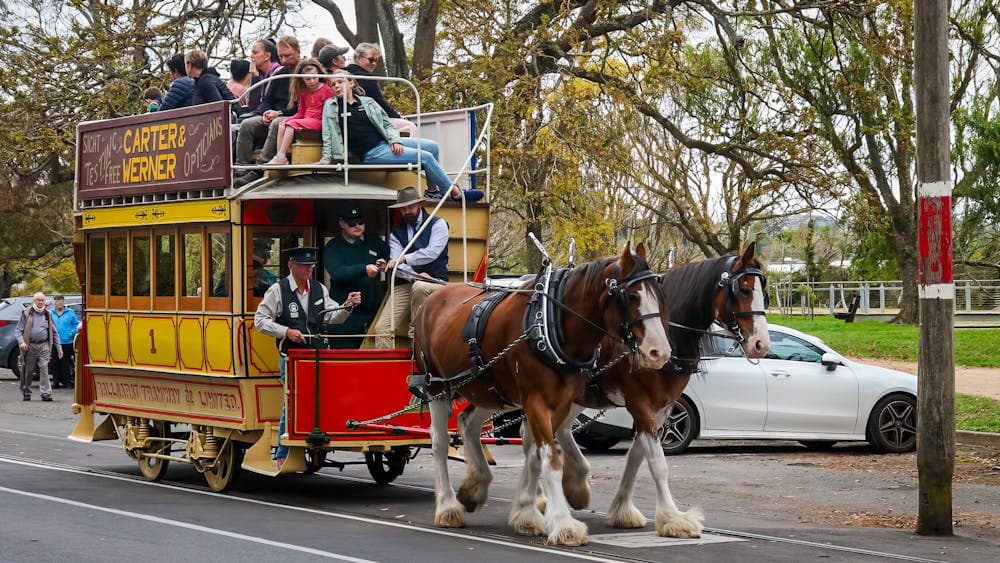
970, 438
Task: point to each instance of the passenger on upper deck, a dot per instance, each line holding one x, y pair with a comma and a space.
426, 259
260, 125
332, 58
208, 87
354, 262
153, 98
181, 93
240, 81
373, 138
310, 93
366, 57
291, 309
264, 62
318, 45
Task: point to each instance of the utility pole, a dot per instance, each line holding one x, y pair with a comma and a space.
936, 371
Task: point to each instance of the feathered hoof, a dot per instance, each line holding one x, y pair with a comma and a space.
527, 522
625, 515
473, 494
452, 516
681, 525
569, 532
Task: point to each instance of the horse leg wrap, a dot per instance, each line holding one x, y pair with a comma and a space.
417, 384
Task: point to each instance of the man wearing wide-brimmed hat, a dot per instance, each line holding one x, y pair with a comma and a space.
290, 311
420, 272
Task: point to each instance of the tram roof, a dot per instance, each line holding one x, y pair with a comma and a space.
318, 186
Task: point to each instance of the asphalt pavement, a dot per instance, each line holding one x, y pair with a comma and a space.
63, 500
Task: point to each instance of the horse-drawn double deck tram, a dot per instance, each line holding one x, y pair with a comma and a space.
174, 260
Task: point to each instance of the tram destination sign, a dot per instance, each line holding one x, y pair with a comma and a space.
158, 152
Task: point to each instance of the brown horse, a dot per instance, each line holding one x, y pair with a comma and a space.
617, 296
730, 291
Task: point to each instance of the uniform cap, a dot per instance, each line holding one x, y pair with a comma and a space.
303, 254
349, 210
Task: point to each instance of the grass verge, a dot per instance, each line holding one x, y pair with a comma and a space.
877, 339
979, 414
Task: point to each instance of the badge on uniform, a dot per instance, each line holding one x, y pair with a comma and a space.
293, 310
372, 252
318, 302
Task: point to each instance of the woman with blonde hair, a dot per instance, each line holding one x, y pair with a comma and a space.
373, 139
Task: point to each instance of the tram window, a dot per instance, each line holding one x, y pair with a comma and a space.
96, 266
265, 264
191, 264
119, 266
218, 264
140, 266
165, 267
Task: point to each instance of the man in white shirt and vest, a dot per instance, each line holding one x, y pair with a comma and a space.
290, 312
420, 272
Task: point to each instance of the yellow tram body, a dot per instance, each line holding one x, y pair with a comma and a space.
164, 246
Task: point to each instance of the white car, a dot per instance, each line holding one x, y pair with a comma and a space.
801, 390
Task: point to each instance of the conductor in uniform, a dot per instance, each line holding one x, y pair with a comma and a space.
291, 310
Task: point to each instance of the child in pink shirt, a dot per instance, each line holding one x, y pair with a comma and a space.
311, 93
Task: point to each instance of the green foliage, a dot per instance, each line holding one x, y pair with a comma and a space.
977, 414
875, 339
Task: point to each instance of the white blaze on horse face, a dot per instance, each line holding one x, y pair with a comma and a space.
655, 347
759, 341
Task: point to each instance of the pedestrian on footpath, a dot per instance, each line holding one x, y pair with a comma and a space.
36, 335
66, 325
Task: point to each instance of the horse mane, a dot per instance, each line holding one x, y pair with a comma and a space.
689, 291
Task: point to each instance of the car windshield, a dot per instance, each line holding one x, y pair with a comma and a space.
783, 347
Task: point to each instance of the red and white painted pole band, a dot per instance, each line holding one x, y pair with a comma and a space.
934, 252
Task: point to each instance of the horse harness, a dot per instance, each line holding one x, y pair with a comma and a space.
542, 328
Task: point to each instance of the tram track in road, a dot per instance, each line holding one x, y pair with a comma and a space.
533, 544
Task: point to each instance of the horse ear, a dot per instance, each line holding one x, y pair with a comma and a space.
626, 261
750, 254
640, 249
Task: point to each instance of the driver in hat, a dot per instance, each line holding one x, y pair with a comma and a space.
291, 310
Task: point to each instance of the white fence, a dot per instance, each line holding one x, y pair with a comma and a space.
880, 296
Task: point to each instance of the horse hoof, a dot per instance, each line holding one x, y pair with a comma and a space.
578, 497
453, 517
625, 516
528, 523
568, 532
473, 494
682, 525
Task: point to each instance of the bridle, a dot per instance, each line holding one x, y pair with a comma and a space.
618, 289
730, 282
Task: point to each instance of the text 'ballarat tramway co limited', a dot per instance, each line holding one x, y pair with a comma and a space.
173, 396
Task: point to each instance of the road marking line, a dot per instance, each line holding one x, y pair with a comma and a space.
106, 443
342, 516
186, 525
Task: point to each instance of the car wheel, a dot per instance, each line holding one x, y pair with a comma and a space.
680, 428
892, 425
818, 445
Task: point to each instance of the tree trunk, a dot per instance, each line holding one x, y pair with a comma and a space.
909, 311
393, 49
425, 40
366, 13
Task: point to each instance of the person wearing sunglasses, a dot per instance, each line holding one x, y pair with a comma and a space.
366, 58
355, 262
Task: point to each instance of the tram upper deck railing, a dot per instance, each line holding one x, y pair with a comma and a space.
187, 153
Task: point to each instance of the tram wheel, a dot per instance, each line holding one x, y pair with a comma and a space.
384, 467
153, 468
226, 469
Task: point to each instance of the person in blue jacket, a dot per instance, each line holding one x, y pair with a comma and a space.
67, 324
181, 94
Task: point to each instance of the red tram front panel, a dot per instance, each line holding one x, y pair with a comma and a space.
354, 384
